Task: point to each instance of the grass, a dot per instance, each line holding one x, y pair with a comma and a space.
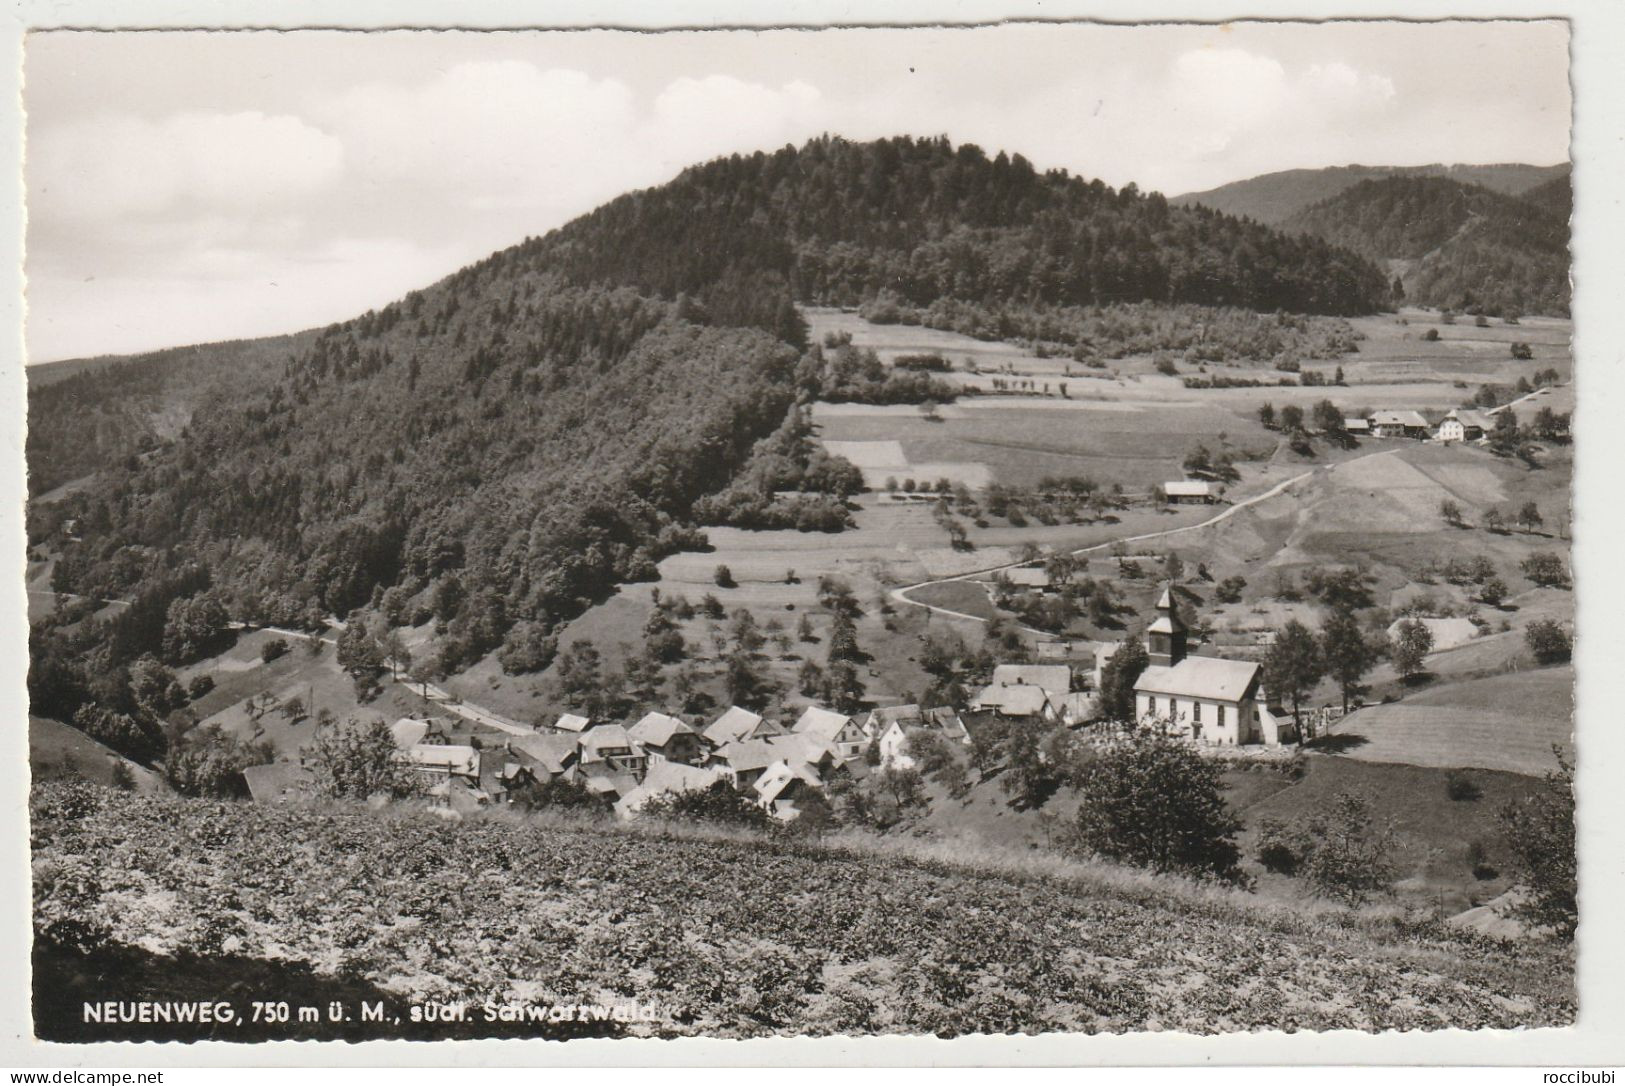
1433, 832
1502, 722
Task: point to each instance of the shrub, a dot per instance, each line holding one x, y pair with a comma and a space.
1229, 589
199, 686
274, 649
1539, 829
1431, 335
1343, 852
1153, 801
724, 577
1522, 352
1545, 569
719, 802
1461, 788
1548, 641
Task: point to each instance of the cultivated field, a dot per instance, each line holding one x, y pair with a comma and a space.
400, 906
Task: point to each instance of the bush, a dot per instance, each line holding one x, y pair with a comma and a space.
199, 686
1152, 801
1548, 641
1342, 852
719, 802
1461, 788
560, 795
1431, 335
274, 649
1539, 830
724, 577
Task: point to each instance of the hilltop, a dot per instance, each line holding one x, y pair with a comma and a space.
1273, 198
731, 936
1453, 245
508, 445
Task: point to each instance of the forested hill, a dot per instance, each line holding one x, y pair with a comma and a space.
1273, 198
1453, 245
512, 442
837, 223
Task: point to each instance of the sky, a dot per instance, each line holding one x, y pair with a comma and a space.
193, 187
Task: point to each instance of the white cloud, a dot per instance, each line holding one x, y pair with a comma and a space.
112, 167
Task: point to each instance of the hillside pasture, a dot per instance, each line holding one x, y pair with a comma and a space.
57, 751
1503, 722
1432, 831
316, 681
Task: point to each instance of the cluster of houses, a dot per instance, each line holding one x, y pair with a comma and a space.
1458, 426
1206, 699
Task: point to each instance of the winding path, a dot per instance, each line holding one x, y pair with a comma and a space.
901, 595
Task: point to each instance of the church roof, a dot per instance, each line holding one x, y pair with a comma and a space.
1201, 677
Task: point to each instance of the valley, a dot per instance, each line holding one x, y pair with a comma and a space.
855, 559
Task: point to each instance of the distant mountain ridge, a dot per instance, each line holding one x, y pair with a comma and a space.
1273, 198
1455, 245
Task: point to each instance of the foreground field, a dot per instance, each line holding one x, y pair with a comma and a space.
730, 937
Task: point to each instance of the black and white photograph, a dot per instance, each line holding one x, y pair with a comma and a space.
921, 531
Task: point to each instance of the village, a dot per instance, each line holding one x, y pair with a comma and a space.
463, 767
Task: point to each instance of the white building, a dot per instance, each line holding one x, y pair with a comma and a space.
1202, 697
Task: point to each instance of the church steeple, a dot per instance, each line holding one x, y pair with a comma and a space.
1165, 637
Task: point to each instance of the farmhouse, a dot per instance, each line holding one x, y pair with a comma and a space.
441, 761
1016, 702
663, 778
278, 782
737, 725
1464, 425
1190, 492
1054, 679
1209, 699
546, 755
1400, 424
666, 738
836, 730
893, 742
783, 785
612, 746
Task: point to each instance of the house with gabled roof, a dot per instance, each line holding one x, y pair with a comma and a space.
547, 755
1190, 491
745, 760
739, 724
408, 732
1464, 425
1399, 424
837, 730
612, 745
1205, 698
893, 740
1022, 701
439, 761
1056, 679
278, 782
664, 778
782, 785
666, 737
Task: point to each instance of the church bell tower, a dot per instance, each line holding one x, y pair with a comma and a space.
1165, 637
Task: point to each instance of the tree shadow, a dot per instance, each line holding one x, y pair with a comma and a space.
1337, 744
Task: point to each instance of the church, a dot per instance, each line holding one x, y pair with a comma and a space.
1203, 697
